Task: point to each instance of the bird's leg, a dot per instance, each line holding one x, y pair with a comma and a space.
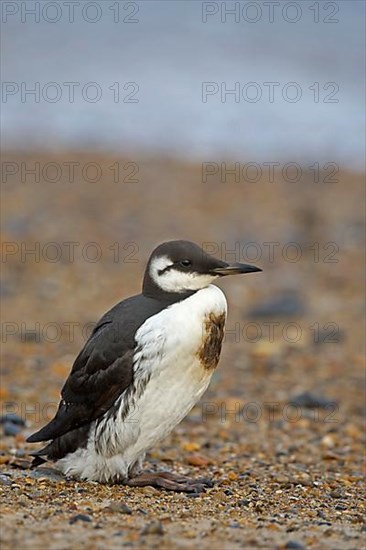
169, 481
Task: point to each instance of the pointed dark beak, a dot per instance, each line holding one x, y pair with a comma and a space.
235, 269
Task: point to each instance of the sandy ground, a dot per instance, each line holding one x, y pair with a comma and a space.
280, 430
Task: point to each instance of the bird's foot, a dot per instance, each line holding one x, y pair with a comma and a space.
170, 482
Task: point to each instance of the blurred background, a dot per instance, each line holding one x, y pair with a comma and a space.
239, 126
168, 49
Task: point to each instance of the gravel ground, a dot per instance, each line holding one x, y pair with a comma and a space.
280, 430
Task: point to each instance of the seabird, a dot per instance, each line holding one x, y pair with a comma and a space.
146, 364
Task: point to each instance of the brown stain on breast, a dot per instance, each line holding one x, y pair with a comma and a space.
212, 336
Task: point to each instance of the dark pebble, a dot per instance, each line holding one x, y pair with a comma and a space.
20, 453
11, 429
153, 528
13, 418
311, 401
7, 288
5, 480
246, 473
329, 336
243, 502
119, 507
80, 517
49, 473
336, 494
286, 305
282, 453
293, 545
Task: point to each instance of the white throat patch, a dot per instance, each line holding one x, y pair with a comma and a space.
174, 280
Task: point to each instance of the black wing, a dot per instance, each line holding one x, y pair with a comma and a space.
101, 372
103, 369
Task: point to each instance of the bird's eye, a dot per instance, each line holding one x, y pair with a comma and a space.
186, 263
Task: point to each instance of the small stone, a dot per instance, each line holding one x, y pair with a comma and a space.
47, 474
119, 507
20, 453
149, 490
13, 418
197, 460
330, 456
294, 545
4, 480
243, 502
220, 496
23, 501
80, 517
280, 478
235, 525
20, 463
287, 304
11, 429
309, 400
190, 446
153, 528
336, 493
328, 441
353, 431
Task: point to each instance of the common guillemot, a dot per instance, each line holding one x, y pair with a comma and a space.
146, 364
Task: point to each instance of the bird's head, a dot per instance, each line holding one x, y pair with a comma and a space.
179, 267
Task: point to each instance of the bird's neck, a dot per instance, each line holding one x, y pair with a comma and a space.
151, 290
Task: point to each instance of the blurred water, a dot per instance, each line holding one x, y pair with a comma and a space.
169, 53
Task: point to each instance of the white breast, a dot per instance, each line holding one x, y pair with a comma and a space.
169, 380
168, 345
